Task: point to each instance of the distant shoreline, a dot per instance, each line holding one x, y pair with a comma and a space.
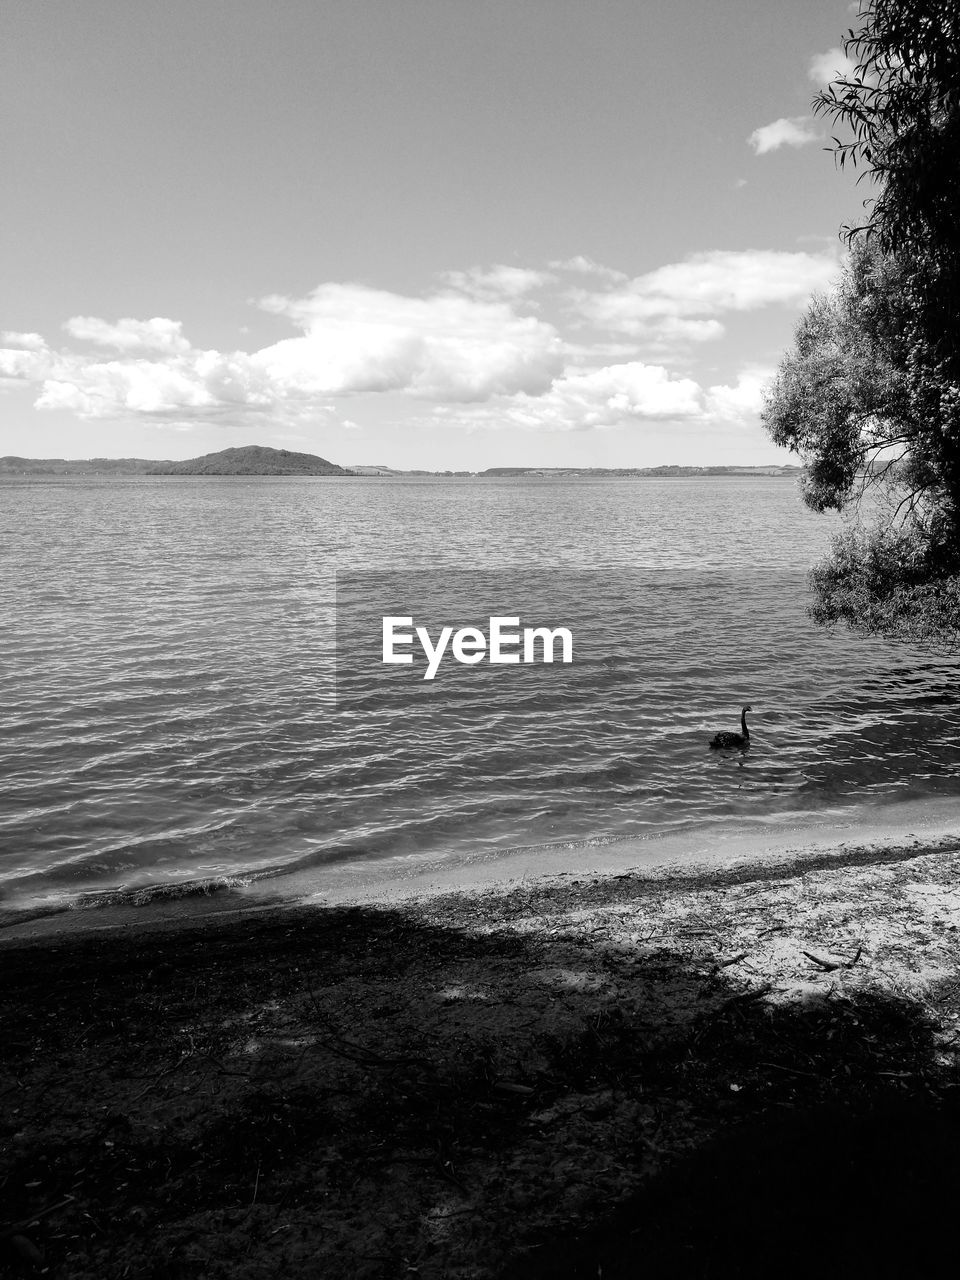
107, 468
260, 460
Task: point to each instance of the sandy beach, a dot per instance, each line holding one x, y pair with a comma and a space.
744, 1069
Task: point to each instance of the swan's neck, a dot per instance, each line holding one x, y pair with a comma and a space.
743, 724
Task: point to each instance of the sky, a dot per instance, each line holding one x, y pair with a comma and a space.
443, 234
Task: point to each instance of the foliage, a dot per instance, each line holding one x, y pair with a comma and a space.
878, 583
903, 108
846, 399
869, 395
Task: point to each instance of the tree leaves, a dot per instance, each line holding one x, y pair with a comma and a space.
869, 395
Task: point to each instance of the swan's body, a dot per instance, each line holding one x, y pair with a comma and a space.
741, 739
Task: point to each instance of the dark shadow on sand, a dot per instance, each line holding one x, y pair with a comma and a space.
363, 1093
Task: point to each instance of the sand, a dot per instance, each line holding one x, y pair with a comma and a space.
743, 1069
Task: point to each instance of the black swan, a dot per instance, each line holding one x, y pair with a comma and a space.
741, 739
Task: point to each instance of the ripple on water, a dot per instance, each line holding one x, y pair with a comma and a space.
167, 671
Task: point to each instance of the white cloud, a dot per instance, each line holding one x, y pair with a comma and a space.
479, 359
24, 358
833, 65
680, 301
192, 382
22, 341
584, 266
582, 400
354, 339
447, 346
97, 390
741, 402
672, 329
157, 335
492, 283
605, 397
796, 131
617, 395
24, 363
645, 319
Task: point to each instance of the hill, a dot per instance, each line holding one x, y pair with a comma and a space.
251, 460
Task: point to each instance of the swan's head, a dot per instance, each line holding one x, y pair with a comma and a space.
747, 707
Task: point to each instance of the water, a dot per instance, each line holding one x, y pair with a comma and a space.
169, 710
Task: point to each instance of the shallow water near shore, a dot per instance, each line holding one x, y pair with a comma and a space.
170, 710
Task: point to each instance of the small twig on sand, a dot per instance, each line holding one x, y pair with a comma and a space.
828, 966
793, 1071
743, 997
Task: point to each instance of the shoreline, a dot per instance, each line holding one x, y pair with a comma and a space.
509, 1081
685, 857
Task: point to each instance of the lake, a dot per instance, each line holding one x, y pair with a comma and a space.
183, 700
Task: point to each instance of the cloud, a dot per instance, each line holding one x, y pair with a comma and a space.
354, 339
604, 397
22, 341
481, 360
497, 282
797, 131
741, 402
618, 395
24, 362
157, 335
833, 65
680, 301
97, 390
644, 320
584, 266
196, 384
185, 381
446, 346
582, 400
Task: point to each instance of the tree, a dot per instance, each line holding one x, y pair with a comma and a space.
901, 104
869, 395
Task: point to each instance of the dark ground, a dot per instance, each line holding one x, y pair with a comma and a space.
555, 1083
